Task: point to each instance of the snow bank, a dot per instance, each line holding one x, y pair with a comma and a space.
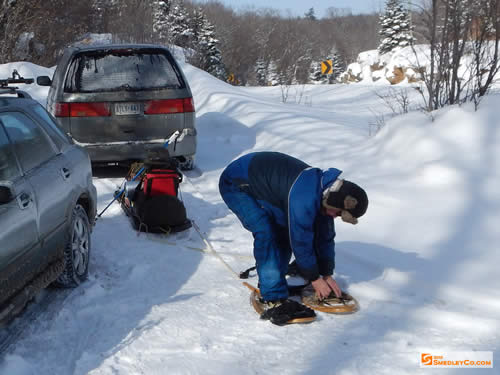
402, 65
394, 67
28, 70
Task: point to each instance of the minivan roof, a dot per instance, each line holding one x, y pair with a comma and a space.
103, 47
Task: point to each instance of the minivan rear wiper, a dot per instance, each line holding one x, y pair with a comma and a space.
126, 87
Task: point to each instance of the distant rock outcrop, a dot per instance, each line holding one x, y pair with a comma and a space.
403, 65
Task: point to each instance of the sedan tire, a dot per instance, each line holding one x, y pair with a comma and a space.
77, 250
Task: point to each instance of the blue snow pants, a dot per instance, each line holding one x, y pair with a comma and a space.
271, 247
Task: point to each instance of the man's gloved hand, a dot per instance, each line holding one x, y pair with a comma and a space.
324, 286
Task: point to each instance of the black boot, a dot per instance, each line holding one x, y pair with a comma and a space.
286, 311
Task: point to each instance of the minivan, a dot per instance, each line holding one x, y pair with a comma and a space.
120, 101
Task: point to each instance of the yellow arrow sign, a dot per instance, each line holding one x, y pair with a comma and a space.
326, 67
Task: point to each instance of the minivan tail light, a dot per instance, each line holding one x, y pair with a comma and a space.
62, 110
158, 107
82, 109
189, 105
89, 109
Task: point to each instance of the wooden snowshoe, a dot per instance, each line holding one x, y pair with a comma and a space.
259, 308
346, 304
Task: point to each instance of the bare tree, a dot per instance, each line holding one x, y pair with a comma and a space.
132, 21
12, 18
28, 19
463, 37
485, 35
397, 100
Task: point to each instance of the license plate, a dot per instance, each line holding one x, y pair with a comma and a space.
128, 109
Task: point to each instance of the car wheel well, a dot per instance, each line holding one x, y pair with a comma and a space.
77, 249
84, 201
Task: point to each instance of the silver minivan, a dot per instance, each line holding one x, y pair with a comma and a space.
120, 101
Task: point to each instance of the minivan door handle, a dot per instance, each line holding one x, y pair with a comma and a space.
66, 173
24, 200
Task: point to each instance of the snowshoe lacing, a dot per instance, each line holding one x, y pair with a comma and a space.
332, 299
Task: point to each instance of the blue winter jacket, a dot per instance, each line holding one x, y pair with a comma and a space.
291, 191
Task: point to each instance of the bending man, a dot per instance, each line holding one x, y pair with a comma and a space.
289, 207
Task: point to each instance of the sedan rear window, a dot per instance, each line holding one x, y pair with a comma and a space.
30, 143
131, 70
8, 165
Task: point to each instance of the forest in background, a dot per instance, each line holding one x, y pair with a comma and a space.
241, 41
267, 47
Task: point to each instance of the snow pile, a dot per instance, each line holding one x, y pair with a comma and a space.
397, 66
28, 70
422, 262
401, 65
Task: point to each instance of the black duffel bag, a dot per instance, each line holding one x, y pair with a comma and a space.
159, 213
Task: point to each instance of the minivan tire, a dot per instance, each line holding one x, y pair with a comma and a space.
186, 163
77, 250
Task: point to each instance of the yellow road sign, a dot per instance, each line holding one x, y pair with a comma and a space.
326, 67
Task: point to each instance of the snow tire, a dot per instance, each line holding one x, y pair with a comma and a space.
186, 163
77, 250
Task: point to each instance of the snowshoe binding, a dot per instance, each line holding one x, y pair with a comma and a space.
280, 312
345, 304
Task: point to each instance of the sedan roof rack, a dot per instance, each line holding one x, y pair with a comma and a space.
16, 78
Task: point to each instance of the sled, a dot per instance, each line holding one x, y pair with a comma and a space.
254, 301
149, 197
139, 226
345, 304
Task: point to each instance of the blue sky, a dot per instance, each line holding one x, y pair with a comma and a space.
299, 7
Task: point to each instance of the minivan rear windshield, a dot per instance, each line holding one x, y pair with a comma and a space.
115, 70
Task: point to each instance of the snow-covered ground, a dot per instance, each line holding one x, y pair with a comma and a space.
423, 262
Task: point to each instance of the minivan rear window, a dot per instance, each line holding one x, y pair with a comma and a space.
115, 70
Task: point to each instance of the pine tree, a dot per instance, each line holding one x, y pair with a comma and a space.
272, 77
209, 47
395, 27
179, 32
206, 46
315, 75
261, 72
310, 15
161, 10
196, 24
99, 17
338, 66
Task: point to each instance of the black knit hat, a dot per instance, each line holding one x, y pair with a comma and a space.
349, 197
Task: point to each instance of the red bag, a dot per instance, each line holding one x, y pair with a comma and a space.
161, 182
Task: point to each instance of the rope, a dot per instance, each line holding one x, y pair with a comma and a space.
212, 250
194, 248
207, 243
